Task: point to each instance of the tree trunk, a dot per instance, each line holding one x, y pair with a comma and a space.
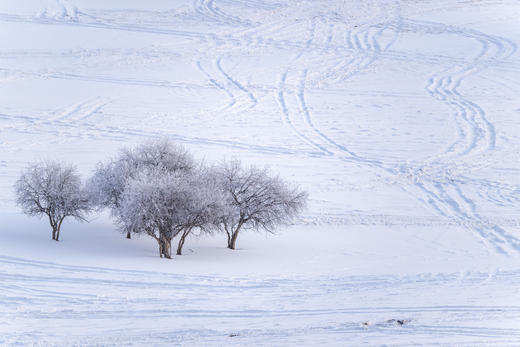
160, 243
58, 228
181, 241
231, 244
164, 246
228, 238
128, 235
53, 226
234, 235
167, 248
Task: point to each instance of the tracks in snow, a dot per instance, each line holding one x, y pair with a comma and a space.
438, 182
210, 12
35, 295
296, 113
79, 112
241, 98
432, 180
477, 136
35, 125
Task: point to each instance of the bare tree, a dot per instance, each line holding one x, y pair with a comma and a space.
164, 205
256, 199
149, 205
206, 204
54, 190
157, 189
108, 183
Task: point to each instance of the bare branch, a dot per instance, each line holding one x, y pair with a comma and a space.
52, 189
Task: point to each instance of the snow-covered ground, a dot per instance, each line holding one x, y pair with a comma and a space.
400, 118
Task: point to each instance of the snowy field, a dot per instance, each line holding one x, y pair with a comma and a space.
400, 118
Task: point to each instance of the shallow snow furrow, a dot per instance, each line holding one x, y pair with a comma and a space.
234, 82
441, 220
277, 336
242, 99
132, 311
369, 98
220, 86
208, 11
443, 86
247, 40
254, 4
103, 25
367, 49
363, 42
306, 128
78, 296
75, 274
123, 133
287, 111
78, 112
308, 120
286, 119
476, 134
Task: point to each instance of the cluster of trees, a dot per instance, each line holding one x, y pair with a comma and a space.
158, 189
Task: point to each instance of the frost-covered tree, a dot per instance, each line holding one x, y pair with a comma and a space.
108, 183
157, 189
166, 204
256, 200
149, 205
206, 204
53, 190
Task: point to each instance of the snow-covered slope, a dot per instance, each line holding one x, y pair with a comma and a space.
400, 118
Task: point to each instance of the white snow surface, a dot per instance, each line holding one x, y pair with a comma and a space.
400, 118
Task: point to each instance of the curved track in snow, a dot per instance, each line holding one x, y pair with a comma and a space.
371, 105
286, 309
325, 49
